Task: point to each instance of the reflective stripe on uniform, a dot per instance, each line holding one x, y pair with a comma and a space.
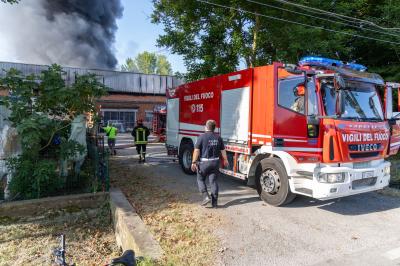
141, 136
208, 159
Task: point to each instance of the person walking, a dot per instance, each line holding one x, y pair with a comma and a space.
206, 161
141, 134
111, 133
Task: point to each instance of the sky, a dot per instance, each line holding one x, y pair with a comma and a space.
136, 34
28, 36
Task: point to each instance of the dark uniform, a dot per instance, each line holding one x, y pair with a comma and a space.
141, 134
210, 146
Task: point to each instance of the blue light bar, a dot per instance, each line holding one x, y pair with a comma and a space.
327, 62
319, 61
357, 67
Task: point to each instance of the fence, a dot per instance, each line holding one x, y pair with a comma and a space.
99, 159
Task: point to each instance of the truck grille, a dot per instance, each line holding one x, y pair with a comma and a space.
364, 154
361, 165
366, 182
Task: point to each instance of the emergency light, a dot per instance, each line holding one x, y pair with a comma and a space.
327, 62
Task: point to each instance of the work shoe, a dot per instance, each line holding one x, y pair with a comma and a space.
214, 202
205, 201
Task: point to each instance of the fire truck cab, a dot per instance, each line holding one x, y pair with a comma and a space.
322, 128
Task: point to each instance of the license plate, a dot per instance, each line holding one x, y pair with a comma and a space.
368, 174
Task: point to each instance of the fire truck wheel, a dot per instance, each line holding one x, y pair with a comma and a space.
185, 158
272, 182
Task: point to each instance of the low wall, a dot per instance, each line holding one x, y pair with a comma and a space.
130, 230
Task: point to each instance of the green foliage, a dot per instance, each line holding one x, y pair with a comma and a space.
34, 178
129, 65
148, 63
215, 40
42, 108
163, 66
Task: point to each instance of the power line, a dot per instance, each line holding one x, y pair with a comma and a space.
325, 19
295, 22
335, 14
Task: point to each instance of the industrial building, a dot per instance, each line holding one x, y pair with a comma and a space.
130, 95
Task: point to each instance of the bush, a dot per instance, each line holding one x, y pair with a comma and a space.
42, 108
34, 179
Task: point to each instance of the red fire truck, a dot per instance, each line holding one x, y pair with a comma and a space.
159, 122
321, 128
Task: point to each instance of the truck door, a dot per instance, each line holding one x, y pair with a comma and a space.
392, 114
296, 101
173, 122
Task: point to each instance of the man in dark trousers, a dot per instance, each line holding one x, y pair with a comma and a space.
141, 134
209, 147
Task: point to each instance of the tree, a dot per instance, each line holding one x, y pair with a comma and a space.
218, 39
148, 63
163, 66
42, 108
129, 65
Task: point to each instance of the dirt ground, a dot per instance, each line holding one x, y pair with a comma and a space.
90, 239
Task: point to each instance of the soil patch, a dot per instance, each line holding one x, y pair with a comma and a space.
90, 239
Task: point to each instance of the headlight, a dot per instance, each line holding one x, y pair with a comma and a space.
386, 170
332, 178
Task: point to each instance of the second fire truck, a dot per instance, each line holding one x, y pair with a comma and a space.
322, 128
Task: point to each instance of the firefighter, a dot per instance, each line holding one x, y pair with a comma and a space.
141, 134
111, 132
206, 161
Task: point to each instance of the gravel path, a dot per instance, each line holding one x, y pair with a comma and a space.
357, 230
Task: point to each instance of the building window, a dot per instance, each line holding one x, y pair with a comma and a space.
124, 120
148, 119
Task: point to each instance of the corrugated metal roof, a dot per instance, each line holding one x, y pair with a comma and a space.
117, 81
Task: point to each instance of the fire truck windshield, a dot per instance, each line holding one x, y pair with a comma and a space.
359, 101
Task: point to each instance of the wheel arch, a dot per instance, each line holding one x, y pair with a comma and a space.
185, 140
287, 161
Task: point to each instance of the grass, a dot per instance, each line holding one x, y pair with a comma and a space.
180, 227
30, 241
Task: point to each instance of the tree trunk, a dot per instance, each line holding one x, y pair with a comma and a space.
254, 46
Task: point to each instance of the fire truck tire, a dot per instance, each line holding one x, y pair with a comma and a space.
272, 182
185, 158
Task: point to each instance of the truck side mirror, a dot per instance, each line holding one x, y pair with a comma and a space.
312, 120
388, 102
312, 126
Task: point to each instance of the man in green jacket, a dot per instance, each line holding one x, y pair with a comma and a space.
111, 133
141, 134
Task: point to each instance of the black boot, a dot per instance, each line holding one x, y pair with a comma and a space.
206, 199
144, 157
214, 201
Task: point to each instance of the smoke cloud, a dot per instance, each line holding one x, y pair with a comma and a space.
67, 32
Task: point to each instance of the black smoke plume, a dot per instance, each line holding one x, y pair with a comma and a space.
68, 32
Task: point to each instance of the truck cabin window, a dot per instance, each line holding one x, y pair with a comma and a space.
312, 104
291, 95
360, 101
